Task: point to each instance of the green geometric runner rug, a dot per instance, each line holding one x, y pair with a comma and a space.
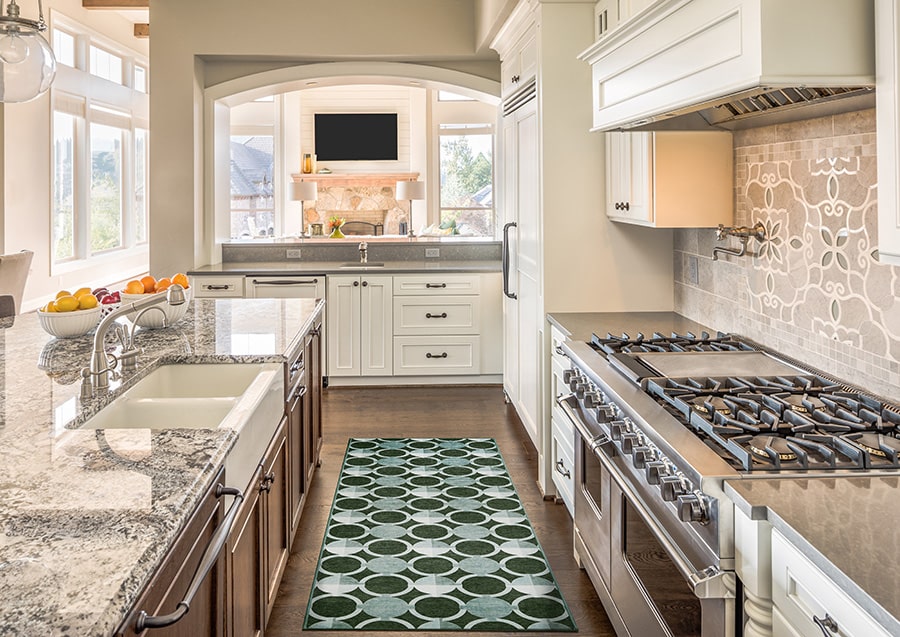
430, 534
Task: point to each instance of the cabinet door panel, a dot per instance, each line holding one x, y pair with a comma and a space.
245, 567
276, 518
344, 326
377, 326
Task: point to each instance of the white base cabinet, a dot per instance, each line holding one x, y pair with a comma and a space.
359, 323
563, 434
806, 599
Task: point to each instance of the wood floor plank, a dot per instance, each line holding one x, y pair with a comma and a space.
444, 412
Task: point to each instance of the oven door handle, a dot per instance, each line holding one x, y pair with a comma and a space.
593, 440
707, 583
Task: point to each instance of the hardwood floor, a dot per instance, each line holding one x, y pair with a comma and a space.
430, 412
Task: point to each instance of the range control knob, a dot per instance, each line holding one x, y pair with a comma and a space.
605, 413
617, 429
591, 399
692, 508
579, 388
641, 456
671, 487
575, 379
567, 375
655, 470
630, 442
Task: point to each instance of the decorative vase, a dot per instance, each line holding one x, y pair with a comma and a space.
336, 233
307, 166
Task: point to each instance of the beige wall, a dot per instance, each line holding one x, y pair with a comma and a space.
26, 169
201, 32
815, 290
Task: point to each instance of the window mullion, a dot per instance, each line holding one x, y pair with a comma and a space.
82, 227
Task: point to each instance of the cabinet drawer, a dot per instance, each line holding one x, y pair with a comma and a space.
563, 466
438, 284
218, 286
435, 355
801, 591
437, 315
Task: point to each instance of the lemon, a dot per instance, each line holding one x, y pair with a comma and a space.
50, 307
66, 304
81, 292
63, 293
87, 301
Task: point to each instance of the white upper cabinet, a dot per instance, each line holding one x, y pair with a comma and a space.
887, 114
608, 14
670, 179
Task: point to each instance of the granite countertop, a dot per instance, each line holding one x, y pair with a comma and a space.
87, 515
846, 526
302, 268
579, 326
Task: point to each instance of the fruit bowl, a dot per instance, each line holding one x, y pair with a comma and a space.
69, 324
153, 319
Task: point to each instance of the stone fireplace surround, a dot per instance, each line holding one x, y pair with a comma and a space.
369, 197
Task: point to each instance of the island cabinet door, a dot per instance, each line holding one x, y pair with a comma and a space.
275, 511
173, 578
245, 597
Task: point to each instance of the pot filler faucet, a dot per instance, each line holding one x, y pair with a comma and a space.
743, 233
97, 375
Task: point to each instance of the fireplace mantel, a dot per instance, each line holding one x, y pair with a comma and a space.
344, 180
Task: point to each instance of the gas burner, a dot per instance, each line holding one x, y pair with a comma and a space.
803, 403
710, 404
772, 449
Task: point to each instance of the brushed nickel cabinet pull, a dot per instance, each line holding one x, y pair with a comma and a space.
209, 559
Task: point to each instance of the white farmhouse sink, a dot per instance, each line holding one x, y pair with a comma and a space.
245, 397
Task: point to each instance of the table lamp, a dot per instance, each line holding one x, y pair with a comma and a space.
410, 191
304, 191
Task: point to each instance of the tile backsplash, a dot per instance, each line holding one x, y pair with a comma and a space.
815, 289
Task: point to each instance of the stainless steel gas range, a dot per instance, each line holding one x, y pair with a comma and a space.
661, 422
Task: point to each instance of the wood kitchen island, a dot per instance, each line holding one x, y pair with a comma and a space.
89, 514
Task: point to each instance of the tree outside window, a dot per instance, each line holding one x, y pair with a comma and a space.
467, 205
106, 187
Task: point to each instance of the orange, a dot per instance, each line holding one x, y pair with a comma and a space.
163, 284
149, 284
87, 301
181, 279
134, 287
66, 303
63, 293
81, 292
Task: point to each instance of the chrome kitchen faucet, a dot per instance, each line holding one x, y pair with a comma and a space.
97, 375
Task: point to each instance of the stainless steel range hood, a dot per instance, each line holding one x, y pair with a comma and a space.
732, 64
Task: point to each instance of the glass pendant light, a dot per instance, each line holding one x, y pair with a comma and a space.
27, 64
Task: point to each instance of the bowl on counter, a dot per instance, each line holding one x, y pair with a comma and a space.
154, 319
69, 324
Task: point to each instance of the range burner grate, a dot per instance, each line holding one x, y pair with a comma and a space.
785, 423
625, 344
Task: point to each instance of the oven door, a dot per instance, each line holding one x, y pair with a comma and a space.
656, 591
648, 587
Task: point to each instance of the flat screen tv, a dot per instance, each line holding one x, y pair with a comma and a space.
356, 136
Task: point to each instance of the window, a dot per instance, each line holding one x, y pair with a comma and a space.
100, 156
63, 227
64, 47
106, 187
447, 96
106, 65
141, 164
466, 179
252, 187
140, 78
